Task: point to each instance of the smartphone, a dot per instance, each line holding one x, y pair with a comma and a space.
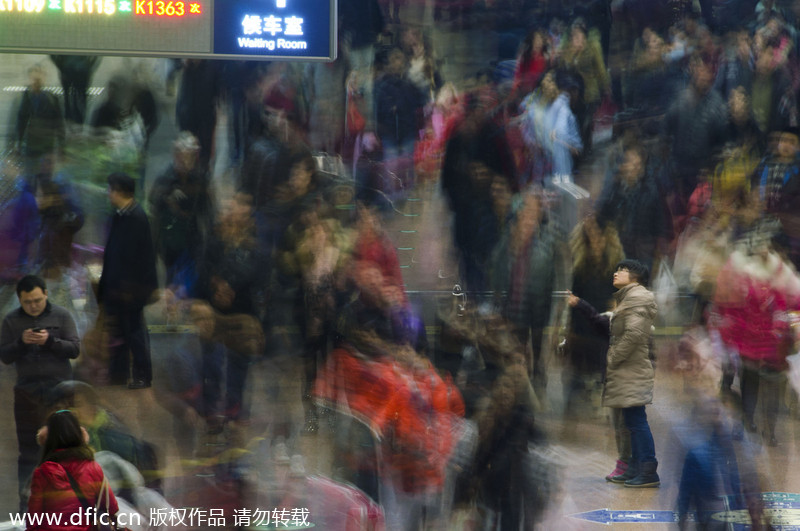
38, 330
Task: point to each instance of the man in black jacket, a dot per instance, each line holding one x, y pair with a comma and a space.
127, 284
39, 338
40, 124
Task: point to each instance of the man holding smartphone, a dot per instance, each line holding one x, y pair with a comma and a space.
39, 338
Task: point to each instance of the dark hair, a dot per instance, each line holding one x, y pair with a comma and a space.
569, 81
635, 146
64, 433
791, 130
306, 160
122, 183
29, 283
638, 271
578, 24
384, 53
526, 46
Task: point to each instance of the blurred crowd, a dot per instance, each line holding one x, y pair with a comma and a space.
662, 131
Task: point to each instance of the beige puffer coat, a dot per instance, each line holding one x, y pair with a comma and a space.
630, 372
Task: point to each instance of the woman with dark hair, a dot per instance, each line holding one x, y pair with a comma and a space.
422, 69
532, 62
632, 201
596, 251
583, 54
549, 126
67, 480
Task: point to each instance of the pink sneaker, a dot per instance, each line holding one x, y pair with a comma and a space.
622, 466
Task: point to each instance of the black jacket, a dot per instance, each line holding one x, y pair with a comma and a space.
398, 107
40, 366
40, 124
129, 262
639, 214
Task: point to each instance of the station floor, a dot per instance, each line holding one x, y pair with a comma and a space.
581, 449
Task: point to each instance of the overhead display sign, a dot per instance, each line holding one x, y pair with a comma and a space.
213, 29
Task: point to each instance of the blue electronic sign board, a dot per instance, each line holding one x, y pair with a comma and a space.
280, 28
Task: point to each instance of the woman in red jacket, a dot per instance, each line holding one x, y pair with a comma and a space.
755, 290
67, 459
532, 62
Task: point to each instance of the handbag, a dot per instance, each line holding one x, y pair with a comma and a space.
356, 123
666, 291
101, 520
604, 116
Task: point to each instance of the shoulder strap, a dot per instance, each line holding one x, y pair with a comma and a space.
77, 489
101, 502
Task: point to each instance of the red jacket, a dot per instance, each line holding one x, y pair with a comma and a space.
752, 299
53, 496
379, 250
529, 72
412, 411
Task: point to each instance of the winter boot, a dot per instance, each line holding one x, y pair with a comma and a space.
629, 473
646, 477
622, 466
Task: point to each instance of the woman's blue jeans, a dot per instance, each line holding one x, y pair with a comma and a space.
642, 445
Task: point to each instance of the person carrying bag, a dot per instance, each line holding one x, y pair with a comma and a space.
66, 478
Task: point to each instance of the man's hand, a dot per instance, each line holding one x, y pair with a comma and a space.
29, 337
222, 293
572, 300
176, 196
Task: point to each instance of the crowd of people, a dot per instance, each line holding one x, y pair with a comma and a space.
691, 220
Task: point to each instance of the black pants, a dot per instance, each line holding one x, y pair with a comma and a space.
768, 382
30, 414
130, 346
536, 362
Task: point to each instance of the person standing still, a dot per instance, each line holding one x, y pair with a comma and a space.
630, 371
39, 338
127, 284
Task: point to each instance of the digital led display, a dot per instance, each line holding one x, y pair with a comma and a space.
252, 29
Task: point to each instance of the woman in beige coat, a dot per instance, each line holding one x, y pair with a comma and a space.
630, 372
